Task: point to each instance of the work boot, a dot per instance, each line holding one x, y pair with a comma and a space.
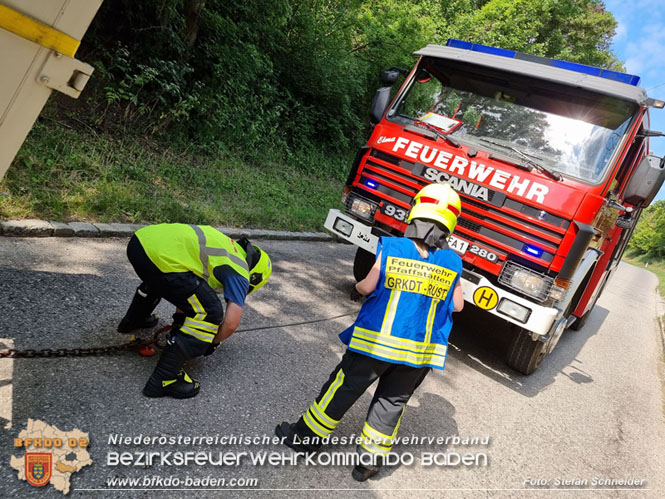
169, 379
139, 315
292, 439
361, 473
126, 326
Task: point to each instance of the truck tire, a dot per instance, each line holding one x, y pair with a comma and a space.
362, 264
524, 354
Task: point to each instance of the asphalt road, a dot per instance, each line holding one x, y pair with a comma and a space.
594, 410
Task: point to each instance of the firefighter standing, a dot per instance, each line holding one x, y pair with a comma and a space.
400, 333
187, 265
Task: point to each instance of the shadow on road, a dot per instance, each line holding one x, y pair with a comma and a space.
480, 341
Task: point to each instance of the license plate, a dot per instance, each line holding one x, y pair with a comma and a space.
459, 246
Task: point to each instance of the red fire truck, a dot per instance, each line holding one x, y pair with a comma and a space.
551, 160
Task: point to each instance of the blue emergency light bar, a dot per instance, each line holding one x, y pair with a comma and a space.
570, 66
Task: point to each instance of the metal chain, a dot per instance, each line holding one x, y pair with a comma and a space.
132, 345
84, 352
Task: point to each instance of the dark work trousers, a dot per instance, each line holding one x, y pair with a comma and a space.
348, 381
185, 290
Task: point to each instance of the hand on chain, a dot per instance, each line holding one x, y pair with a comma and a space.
211, 348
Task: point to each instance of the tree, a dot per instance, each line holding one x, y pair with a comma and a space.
649, 236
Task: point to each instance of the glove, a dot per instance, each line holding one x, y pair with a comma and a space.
356, 295
178, 320
211, 348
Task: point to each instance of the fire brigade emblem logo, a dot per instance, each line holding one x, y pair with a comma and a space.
38, 468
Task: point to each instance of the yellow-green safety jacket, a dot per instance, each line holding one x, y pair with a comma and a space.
192, 248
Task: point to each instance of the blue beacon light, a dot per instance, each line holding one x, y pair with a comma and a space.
531, 250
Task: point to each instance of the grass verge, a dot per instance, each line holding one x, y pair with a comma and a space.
65, 174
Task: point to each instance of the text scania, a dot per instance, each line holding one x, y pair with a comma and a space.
442, 160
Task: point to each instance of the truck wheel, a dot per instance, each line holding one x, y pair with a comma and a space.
525, 354
362, 263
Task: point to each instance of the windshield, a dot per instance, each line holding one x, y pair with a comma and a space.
571, 131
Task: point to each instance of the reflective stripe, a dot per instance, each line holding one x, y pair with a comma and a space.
327, 397
202, 252
391, 353
37, 32
374, 449
374, 441
205, 337
314, 426
401, 343
430, 320
203, 326
323, 416
376, 436
198, 308
205, 253
391, 309
399, 422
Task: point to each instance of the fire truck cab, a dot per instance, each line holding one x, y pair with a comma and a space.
550, 158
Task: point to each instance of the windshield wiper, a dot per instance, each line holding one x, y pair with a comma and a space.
418, 127
527, 157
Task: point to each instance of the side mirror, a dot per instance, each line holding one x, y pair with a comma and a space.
379, 104
646, 182
389, 77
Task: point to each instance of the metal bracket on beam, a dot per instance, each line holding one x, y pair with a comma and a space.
65, 74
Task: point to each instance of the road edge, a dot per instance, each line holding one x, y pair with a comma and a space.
43, 228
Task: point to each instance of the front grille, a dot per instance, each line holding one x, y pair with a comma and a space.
502, 223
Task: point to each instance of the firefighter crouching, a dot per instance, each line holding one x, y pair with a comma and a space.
188, 265
400, 333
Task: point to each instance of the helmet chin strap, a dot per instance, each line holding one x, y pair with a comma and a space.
252, 254
428, 232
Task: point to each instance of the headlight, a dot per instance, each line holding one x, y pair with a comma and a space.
343, 227
525, 280
514, 310
361, 208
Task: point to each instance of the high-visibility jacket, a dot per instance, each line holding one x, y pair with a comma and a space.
192, 248
408, 318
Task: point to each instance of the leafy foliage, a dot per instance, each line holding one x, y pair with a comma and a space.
649, 236
291, 76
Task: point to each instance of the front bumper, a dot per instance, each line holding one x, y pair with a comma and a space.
477, 289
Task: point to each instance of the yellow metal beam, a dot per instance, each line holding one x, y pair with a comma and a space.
37, 32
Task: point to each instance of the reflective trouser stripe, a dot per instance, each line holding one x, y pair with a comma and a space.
198, 308
376, 442
318, 421
199, 335
327, 397
315, 425
37, 32
315, 417
196, 326
320, 414
207, 327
